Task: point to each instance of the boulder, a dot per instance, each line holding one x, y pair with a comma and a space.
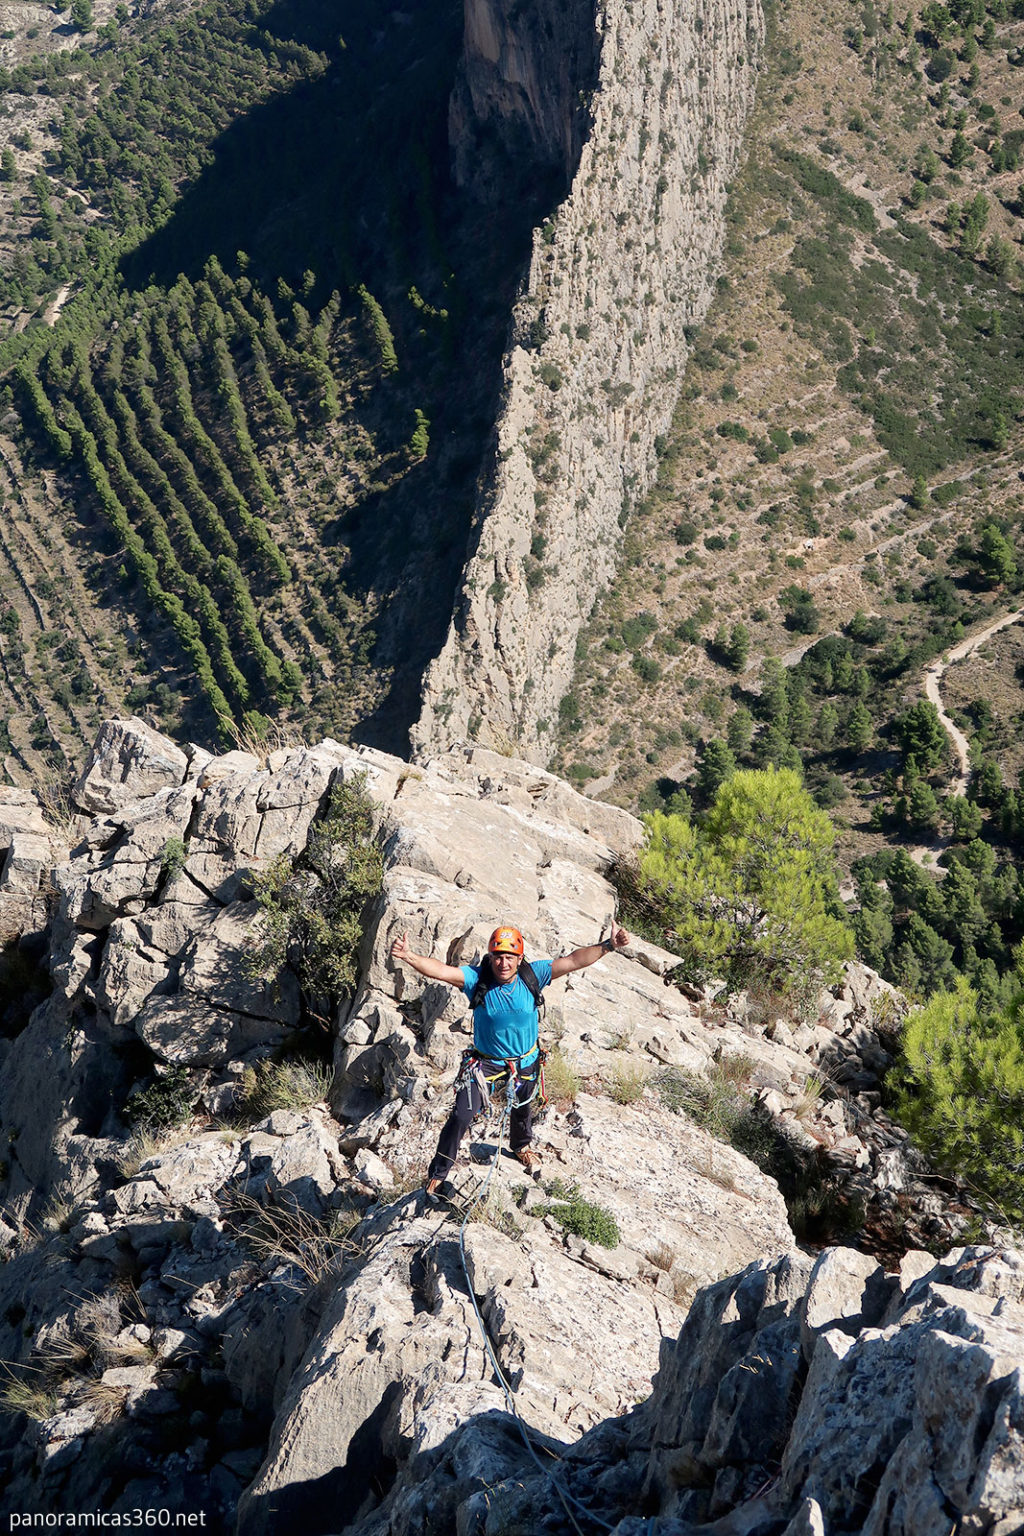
188, 1031
128, 761
125, 868
20, 811
846, 1290
298, 1167
29, 854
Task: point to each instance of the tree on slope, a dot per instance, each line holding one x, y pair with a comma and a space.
751, 891
960, 1090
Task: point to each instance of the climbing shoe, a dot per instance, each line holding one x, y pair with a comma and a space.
438, 1191
529, 1160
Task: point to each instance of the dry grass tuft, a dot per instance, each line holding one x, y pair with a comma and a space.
562, 1082
625, 1082
272, 1085
141, 1146
35, 1396
318, 1246
261, 740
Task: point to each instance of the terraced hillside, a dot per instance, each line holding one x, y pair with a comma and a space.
246, 377
849, 437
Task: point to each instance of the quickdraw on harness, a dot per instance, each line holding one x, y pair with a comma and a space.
488, 1073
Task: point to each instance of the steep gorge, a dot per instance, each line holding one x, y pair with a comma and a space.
617, 276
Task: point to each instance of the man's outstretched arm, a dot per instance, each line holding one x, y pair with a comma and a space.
434, 970
579, 959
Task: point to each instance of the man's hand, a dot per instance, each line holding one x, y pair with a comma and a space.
620, 938
400, 948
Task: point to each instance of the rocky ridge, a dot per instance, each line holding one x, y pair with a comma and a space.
261, 1306
617, 276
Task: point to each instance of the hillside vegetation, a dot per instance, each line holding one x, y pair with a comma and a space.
247, 385
839, 501
246, 390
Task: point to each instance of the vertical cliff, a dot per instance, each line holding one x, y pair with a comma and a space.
618, 272
519, 113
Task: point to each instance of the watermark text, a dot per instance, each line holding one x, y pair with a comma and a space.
106, 1520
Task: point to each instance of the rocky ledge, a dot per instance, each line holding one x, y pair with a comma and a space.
256, 1313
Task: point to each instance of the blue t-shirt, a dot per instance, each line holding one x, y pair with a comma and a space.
505, 1023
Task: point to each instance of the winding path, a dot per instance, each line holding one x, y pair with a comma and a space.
932, 679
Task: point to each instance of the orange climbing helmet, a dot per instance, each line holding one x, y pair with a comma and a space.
506, 941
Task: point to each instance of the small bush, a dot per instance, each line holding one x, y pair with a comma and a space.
312, 909
166, 1103
646, 668
581, 1217
172, 860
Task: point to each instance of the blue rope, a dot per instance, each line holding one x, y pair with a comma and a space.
565, 1497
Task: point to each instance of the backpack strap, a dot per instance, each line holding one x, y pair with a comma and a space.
487, 979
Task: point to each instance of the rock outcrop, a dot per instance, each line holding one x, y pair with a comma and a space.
618, 274
802, 1398
519, 112
260, 1314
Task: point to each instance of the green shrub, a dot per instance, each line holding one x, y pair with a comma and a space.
646, 668
312, 909
637, 629
172, 860
960, 1089
581, 1217
166, 1103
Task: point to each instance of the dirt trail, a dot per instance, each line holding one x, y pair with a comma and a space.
932, 679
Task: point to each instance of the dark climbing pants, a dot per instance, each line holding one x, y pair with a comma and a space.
470, 1101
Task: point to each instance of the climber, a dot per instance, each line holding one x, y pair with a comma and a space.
505, 994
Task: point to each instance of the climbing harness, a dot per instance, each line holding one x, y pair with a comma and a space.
487, 1073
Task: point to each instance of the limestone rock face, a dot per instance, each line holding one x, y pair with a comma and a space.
624, 265
29, 849
909, 1428
129, 760
519, 107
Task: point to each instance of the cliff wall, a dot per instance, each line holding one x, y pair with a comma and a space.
618, 273
520, 110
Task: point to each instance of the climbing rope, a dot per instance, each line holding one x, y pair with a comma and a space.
565, 1497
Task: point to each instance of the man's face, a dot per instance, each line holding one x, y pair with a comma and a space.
505, 965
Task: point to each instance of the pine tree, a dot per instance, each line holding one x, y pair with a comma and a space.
960, 1090
749, 894
860, 729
